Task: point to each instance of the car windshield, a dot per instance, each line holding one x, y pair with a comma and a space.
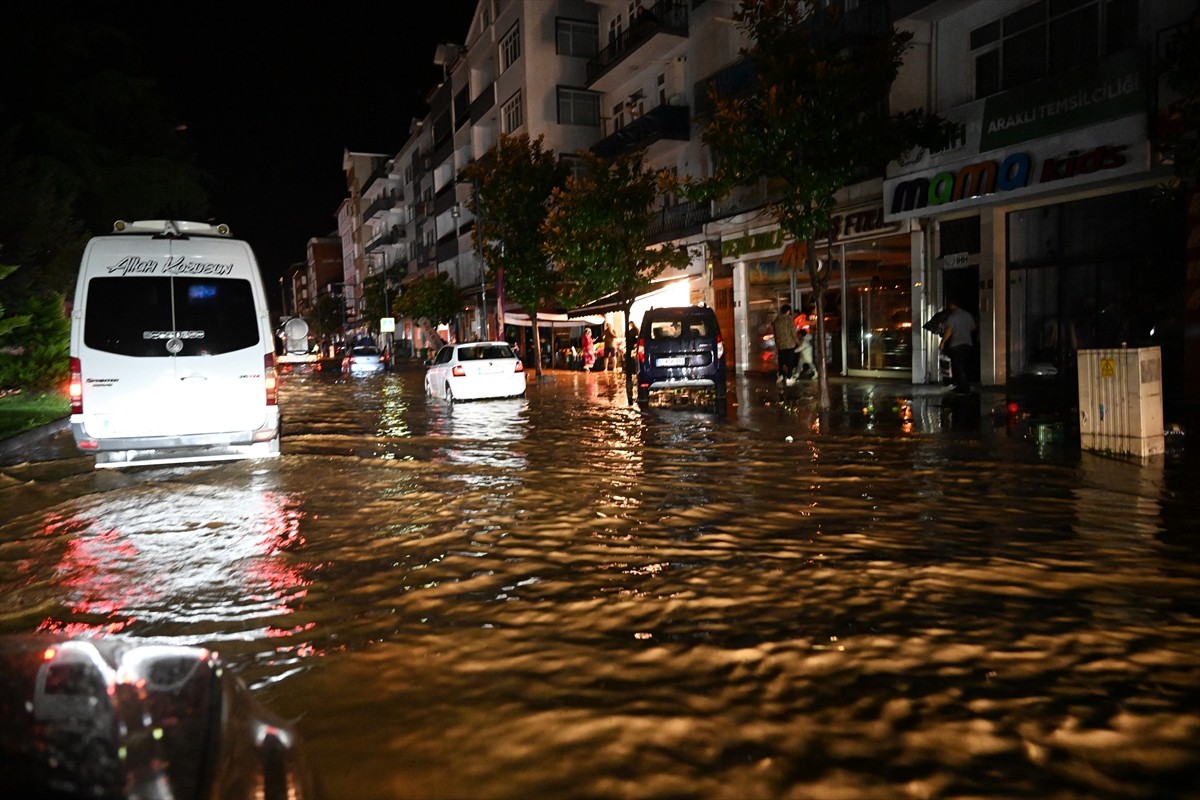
484, 351
365, 351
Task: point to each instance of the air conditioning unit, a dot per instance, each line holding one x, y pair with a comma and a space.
1120, 401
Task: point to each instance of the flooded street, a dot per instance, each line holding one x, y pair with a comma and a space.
565, 596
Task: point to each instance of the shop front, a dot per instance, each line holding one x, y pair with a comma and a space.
868, 306
1052, 220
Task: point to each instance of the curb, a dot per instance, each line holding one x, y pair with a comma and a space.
14, 443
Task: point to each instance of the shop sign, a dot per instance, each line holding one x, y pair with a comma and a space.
1025, 171
1081, 97
851, 224
754, 243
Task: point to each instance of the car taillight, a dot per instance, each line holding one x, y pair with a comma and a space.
458, 371
641, 348
270, 378
75, 387
519, 367
720, 348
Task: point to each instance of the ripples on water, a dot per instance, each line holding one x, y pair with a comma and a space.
563, 596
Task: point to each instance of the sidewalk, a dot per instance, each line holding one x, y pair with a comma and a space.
886, 406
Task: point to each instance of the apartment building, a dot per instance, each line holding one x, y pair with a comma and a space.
1042, 215
1042, 219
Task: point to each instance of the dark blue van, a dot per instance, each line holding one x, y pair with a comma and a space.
680, 348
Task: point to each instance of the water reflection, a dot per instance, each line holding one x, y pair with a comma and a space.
570, 596
170, 559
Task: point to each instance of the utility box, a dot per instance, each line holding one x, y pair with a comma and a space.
1120, 401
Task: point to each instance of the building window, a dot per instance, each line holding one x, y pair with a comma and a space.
511, 114
618, 117
661, 83
574, 166
510, 47
616, 26
578, 107
1049, 37
577, 38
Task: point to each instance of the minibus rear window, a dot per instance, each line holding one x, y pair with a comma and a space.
141, 316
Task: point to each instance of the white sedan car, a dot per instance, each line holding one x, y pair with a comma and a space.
361, 360
475, 371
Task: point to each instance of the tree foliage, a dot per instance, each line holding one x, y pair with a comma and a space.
7, 323
329, 314
430, 300
85, 139
512, 186
37, 352
814, 121
597, 230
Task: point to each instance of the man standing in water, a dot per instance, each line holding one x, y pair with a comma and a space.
957, 344
785, 344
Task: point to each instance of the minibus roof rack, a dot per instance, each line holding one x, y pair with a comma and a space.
170, 228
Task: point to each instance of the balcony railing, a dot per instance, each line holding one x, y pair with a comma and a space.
382, 203
393, 236
673, 221
666, 16
663, 122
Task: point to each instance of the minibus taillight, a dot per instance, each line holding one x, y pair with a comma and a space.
270, 378
75, 387
641, 349
720, 348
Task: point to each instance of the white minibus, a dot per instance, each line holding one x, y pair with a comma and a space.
172, 357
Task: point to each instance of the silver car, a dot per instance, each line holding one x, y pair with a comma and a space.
362, 360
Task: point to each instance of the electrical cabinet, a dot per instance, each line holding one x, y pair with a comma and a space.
1120, 401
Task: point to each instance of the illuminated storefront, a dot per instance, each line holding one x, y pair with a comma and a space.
868, 307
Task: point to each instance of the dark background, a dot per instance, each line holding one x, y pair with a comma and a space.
266, 97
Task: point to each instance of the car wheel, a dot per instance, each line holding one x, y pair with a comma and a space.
643, 396
449, 394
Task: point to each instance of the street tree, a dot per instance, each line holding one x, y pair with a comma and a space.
329, 315
597, 232
512, 185
814, 120
429, 301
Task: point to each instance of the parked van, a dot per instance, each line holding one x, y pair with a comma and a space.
680, 348
172, 356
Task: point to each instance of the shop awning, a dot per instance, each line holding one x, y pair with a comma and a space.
610, 303
550, 320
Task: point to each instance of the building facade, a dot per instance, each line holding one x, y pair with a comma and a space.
1042, 220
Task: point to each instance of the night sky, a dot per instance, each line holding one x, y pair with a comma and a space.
271, 98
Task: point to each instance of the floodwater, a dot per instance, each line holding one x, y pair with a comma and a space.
564, 596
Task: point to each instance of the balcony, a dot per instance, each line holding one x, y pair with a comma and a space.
665, 122
384, 202
679, 220
393, 236
666, 17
